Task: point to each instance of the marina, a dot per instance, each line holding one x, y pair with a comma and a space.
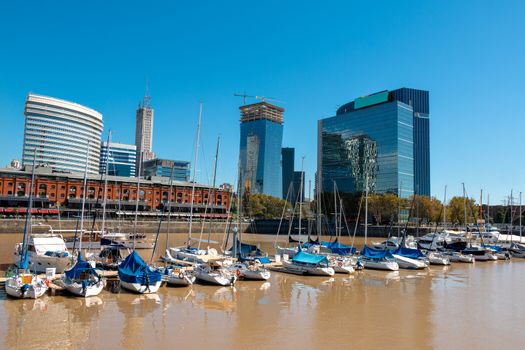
367, 309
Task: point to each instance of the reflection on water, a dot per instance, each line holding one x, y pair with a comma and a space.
442, 307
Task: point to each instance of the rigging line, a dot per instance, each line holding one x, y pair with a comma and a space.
282, 215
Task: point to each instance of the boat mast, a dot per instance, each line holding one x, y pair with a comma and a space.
104, 202
195, 171
335, 211
83, 201
445, 210
169, 208
465, 207
301, 198
137, 198
511, 216
212, 196
28, 214
520, 218
318, 198
366, 206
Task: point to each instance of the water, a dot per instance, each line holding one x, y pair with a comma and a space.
470, 306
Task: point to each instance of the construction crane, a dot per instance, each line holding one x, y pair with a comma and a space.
262, 98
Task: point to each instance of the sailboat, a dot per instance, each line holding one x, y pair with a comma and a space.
188, 252
82, 279
308, 264
134, 274
378, 259
218, 272
24, 284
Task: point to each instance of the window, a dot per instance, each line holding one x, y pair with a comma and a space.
21, 190
62, 187
53, 187
10, 184
62, 195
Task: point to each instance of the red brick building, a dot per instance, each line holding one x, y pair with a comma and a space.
52, 189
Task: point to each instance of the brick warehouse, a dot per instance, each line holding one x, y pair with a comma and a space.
55, 189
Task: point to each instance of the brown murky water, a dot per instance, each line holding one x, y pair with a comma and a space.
464, 306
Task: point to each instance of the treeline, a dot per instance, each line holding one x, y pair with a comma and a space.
383, 209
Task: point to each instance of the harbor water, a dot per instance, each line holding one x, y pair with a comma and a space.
471, 306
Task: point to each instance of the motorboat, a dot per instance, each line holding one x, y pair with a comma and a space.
308, 264
194, 254
136, 276
45, 250
216, 272
481, 254
378, 259
437, 258
342, 264
178, 276
454, 256
500, 252
25, 286
251, 271
517, 250
289, 251
128, 240
393, 243
82, 279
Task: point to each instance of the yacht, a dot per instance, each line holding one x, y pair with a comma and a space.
216, 272
308, 264
45, 250
378, 259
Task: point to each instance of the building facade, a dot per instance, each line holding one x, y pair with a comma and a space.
63, 133
288, 166
120, 157
52, 189
298, 186
419, 101
368, 143
144, 131
260, 148
163, 168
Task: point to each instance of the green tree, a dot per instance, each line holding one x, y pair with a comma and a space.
262, 206
383, 207
456, 210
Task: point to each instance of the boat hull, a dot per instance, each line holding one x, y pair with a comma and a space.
177, 280
15, 289
216, 279
76, 288
380, 265
306, 270
408, 263
141, 288
39, 263
248, 274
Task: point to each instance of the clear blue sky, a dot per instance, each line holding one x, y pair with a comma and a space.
312, 55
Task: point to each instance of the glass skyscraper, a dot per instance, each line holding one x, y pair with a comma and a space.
288, 166
162, 168
121, 161
260, 149
370, 140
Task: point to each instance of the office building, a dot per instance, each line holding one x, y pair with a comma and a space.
63, 133
144, 131
419, 101
298, 186
288, 166
370, 142
120, 157
260, 148
163, 168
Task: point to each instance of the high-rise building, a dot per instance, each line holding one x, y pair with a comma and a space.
63, 134
288, 165
120, 157
298, 185
419, 101
162, 168
370, 142
260, 148
144, 131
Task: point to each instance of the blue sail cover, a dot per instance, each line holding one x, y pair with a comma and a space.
80, 267
134, 270
308, 258
334, 247
375, 253
495, 248
409, 252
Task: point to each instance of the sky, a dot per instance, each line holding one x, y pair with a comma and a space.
313, 56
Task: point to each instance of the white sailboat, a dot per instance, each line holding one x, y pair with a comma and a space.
216, 272
23, 284
82, 279
308, 264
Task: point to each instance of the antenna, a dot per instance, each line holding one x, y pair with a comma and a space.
145, 103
